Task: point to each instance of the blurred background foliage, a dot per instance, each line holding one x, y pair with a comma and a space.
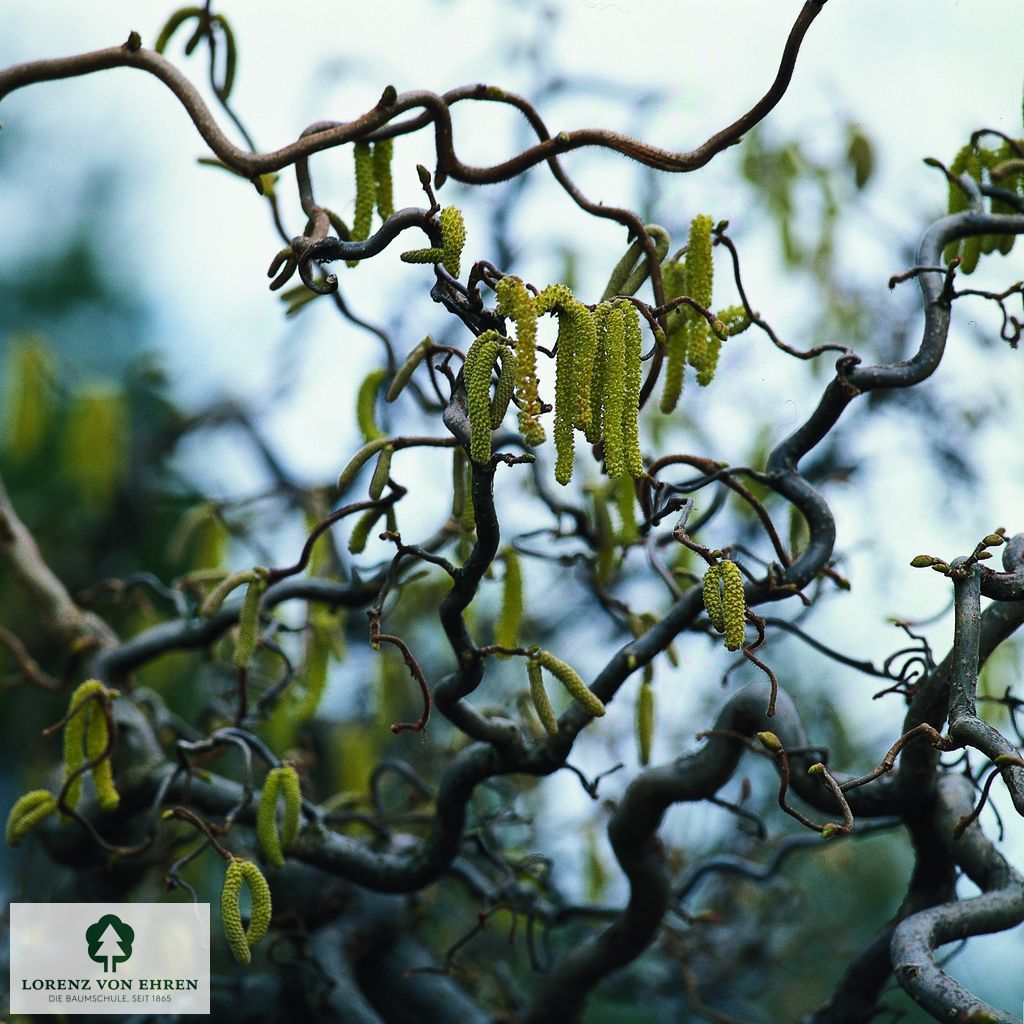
102, 456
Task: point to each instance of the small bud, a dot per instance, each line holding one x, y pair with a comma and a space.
941, 567
993, 540
983, 554
770, 741
830, 830
816, 769
923, 561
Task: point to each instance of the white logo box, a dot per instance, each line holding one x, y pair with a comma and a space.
110, 958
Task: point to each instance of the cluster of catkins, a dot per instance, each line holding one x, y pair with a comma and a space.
598, 363
597, 377
981, 163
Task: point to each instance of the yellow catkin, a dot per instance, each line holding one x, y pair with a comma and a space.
632, 353
734, 605
571, 680
516, 304
645, 722
28, 811
95, 442
673, 275
613, 378
539, 696
249, 622
85, 738
382, 154
597, 379
699, 281
713, 596
280, 782
404, 373
366, 191
96, 742
241, 941
476, 374
453, 239
734, 319
510, 616
366, 405
381, 472
216, 597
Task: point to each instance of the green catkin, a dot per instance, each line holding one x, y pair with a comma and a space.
505, 387
734, 606
635, 281
958, 201
625, 504
515, 303
459, 483
971, 247
361, 531
239, 940
614, 382
510, 616
366, 191
29, 396
605, 538
404, 373
249, 622
453, 239
476, 374
565, 401
573, 683
280, 782
645, 722
381, 472
1012, 182
674, 279
541, 702
699, 281
28, 811
366, 405
85, 737
632, 354
382, 154
989, 159
356, 463
631, 271
216, 597
713, 597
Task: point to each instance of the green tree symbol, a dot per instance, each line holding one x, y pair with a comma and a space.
110, 941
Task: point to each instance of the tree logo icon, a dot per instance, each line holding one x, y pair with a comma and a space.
110, 942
